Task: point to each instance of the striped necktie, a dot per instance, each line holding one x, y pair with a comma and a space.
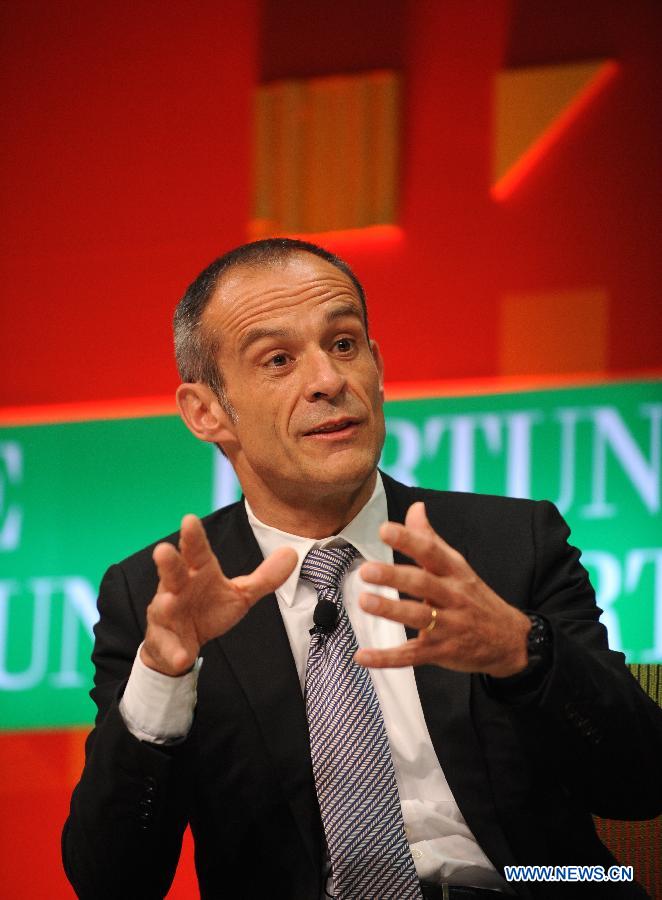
352, 764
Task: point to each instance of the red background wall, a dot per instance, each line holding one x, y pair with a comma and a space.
126, 163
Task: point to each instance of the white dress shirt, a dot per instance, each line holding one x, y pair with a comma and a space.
159, 708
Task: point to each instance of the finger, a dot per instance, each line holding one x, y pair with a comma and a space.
411, 580
173, 571
421, 542
269, 575
417, 518
193, 543
412, 653
407, 612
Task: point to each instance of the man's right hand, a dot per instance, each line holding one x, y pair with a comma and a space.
195, 602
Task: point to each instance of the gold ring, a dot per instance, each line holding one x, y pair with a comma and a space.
433, 620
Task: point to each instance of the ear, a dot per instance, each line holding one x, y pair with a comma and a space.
379, 362
203, 414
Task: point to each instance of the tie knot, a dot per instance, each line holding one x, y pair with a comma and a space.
326, 568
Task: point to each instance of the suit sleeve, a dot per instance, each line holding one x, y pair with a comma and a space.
128, 812
592, 720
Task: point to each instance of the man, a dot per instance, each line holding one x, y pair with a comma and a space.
483, 718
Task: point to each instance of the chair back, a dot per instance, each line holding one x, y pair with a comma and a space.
639, 844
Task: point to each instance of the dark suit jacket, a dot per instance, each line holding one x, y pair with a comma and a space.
527, 771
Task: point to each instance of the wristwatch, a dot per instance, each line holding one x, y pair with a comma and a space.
518, 687
538, 643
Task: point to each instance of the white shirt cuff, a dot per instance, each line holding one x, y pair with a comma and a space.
159, 708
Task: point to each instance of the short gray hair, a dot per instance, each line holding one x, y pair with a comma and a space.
195, 348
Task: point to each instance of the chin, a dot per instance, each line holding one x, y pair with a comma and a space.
350, 470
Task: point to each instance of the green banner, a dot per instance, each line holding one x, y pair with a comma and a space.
75, 497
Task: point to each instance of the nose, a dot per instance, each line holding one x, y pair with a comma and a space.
323, 378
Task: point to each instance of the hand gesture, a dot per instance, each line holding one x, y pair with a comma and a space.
195, 602
462, 623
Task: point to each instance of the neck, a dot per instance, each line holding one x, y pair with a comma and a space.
312, 517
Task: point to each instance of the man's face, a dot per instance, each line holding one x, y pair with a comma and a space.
302, 377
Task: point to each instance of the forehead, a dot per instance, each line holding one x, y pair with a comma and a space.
250, 295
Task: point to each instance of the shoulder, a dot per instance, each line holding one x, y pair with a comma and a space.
481, 519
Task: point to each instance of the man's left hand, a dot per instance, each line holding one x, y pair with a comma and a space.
474, 631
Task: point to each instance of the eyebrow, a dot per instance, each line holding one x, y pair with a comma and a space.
256, 334
345, 309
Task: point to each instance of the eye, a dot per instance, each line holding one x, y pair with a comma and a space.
344, 345
278, 360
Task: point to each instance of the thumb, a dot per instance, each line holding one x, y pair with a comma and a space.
269, 575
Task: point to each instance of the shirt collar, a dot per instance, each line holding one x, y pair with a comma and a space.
361, 532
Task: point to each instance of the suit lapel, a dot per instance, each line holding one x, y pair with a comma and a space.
446, 701
258, 651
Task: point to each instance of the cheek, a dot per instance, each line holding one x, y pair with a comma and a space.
375, 395
272, 421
